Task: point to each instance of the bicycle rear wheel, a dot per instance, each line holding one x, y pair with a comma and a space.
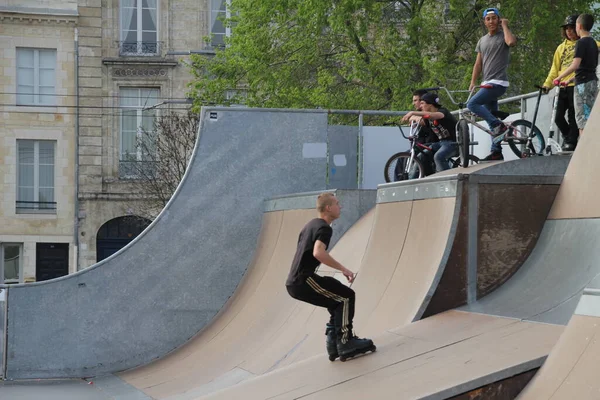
464, 140
395, 168
522, 130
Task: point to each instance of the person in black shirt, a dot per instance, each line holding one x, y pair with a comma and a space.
442, 124
305, 285
425, 134
584, 64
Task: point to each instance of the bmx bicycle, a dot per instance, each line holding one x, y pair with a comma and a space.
522, 136
407, 165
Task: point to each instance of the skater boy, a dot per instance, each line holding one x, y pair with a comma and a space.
305, 285
584, 65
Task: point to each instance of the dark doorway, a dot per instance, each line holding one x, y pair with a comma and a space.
52, 261
117, 233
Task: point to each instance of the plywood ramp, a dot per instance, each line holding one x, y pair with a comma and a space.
571, 371
401, 267
580, 189
398, 258
261, 315
435, 358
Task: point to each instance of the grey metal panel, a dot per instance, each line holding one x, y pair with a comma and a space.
552, 165
298, 201
549, 284
472, 241
343, 146
159, 291
517, 179
420, 189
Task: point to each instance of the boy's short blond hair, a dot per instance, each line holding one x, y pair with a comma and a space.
586, 21
324, 200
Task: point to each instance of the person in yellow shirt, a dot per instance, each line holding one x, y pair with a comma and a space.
563, 57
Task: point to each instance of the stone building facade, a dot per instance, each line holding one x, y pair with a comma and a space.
127, 64
37, 139
78, 77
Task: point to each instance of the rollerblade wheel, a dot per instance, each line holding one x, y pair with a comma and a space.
332, 357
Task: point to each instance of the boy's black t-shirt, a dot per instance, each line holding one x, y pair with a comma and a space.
305, 264
586, 49
445, 128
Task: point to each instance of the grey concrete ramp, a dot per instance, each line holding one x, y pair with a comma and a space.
163, 288
565, 260
548, 286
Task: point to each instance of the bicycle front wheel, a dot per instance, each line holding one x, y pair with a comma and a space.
526, 140
464, 140
396, 168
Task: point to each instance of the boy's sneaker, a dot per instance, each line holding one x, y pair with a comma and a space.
494, 156
499, 133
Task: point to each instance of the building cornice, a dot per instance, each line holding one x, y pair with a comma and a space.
140, 61
83, 196
9, 16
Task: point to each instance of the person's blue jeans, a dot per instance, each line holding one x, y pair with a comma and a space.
483, 103
443, 150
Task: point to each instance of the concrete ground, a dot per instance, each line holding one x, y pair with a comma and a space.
103, 388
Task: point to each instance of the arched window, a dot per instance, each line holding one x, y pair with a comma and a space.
117, 233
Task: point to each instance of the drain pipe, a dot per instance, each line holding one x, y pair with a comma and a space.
76, 216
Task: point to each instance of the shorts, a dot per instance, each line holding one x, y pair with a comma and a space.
584, 97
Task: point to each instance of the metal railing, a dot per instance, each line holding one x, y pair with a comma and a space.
36, 205
144, 49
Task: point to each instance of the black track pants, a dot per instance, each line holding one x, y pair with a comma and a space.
330, 293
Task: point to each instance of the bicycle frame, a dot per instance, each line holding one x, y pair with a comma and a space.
470, 117
414, 131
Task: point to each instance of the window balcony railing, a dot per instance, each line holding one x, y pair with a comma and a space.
24, 207
140, 48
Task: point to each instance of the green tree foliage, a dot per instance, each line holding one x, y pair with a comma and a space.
371, 54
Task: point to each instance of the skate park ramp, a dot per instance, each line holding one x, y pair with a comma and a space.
260, 316
548, 286
571, 370
264, 329
401, 263
162, 289
440, 357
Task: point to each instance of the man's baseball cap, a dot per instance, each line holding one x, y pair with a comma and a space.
571, 20
431, 98
488, 11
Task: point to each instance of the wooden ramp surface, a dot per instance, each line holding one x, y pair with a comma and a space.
436, 358
397, 256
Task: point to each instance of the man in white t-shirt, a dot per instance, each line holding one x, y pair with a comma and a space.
492, 59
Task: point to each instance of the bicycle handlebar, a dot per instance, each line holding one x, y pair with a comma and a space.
454, 91
414, 129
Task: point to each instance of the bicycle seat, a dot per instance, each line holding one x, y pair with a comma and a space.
500, 114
